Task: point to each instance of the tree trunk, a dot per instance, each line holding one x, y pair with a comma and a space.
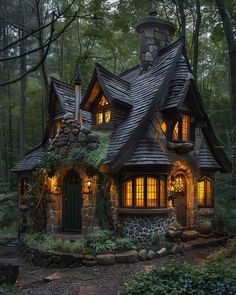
22, 84
182, 18
196, 38
232, 55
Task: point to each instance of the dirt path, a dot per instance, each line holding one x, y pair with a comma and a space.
84, 280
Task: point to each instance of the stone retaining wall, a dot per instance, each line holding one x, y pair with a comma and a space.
141, 228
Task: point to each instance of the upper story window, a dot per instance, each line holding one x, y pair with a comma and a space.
205, 192
103, 112
141, 192
181, 130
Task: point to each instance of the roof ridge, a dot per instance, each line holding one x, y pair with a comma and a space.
129, 70
98, 67
163, 50
60, 82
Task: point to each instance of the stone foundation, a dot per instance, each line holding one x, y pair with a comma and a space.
141, 228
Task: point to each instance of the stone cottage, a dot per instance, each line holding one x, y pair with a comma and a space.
140, 149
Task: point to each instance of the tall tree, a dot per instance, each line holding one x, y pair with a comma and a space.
231, 43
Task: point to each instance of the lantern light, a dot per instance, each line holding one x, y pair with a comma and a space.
89, 183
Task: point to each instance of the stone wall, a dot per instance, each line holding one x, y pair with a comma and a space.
71, 136
141, 228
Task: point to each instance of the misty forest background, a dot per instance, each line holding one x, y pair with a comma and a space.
44, 38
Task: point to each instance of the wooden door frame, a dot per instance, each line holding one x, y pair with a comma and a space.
182, 174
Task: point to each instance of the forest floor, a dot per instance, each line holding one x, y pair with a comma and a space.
98, 280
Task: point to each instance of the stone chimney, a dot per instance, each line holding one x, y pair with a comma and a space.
154, 34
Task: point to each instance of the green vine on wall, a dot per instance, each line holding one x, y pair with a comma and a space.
38, 195
102, 208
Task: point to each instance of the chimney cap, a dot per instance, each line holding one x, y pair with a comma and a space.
151, 21
78, 80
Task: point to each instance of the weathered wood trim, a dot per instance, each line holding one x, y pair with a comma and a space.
145, 211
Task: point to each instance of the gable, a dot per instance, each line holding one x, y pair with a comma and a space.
115, 89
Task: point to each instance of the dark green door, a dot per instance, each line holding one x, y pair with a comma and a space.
72, 202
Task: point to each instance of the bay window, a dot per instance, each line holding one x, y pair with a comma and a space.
142, 192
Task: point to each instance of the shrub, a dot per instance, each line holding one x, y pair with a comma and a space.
99, 235
177, 279
124, 244
103, 246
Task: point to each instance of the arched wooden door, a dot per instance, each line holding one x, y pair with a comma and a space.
180, 202
72, 202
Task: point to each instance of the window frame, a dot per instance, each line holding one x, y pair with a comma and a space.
180, 131
158, 190
103, 110
206, 179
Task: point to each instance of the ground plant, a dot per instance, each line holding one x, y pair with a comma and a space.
95, 243
177, 278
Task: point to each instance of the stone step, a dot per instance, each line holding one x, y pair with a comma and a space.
93, 290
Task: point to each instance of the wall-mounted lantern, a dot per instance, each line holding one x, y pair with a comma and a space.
89, 183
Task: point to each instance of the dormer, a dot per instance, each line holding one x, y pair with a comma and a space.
107, 99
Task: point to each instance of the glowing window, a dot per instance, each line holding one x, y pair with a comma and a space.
99, 118
201, 196
176, 131
151, 192
181, 130
205, 193
139, 189
185, 128
103, 102
163, 127
162, 194
107, 116
179, 184
128, 201
147, 192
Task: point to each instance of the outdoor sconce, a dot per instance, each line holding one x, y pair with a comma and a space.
171, 187
89, 183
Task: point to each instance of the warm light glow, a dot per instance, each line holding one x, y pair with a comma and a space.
179, 185
107, 116
164, 127
185, 128
128, 190
139, 192
162, 194
201, 193
89, 183
99, 118
151, 192
57, 127
176, 132
52, 183
205, 193
103, 102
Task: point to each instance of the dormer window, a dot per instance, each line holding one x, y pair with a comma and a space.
181, 130
102, 112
